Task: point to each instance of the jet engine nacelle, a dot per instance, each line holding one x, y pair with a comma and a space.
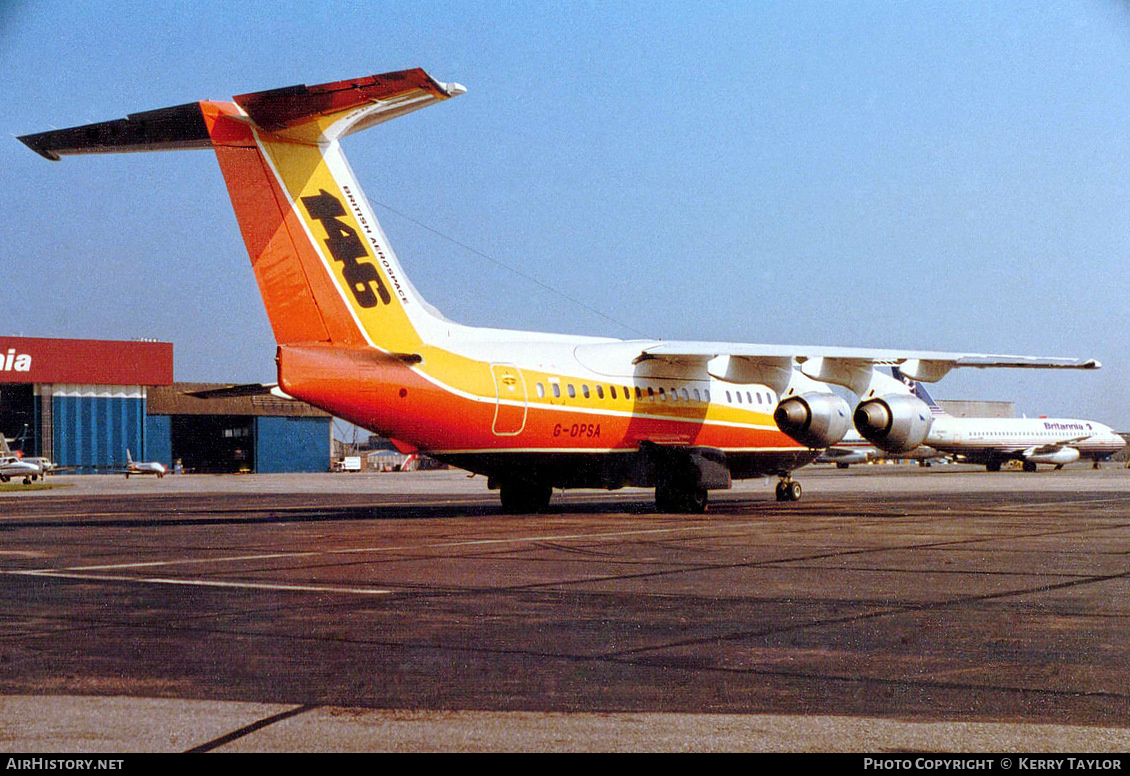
1059, 457
814, 419
897, 423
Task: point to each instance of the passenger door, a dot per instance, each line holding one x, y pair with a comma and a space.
510, 409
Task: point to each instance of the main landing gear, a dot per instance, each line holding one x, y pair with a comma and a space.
788, 489
522, 496
671, 496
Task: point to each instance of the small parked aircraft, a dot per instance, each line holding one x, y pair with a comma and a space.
143, 467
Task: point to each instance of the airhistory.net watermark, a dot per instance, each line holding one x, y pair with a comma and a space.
61, 764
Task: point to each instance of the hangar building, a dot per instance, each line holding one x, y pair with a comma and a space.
84, 403
250, 433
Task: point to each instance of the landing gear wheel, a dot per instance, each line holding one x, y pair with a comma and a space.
788, 490
1029, 466
521, 496
671, 498
993, 466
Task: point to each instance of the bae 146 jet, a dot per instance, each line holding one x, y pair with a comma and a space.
531, 411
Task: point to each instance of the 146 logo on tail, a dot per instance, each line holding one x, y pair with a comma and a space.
346, 247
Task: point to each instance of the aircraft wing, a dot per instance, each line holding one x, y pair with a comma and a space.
924, 365
1055, 447
845, 366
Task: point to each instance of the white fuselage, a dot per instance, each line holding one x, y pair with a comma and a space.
853, 449
980, 440
11, 466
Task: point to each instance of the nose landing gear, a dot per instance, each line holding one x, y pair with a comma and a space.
788, 489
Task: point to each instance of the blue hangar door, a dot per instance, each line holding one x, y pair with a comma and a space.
94, 425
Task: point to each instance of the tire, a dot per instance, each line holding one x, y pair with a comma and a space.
521, 497
782, 492
694, 501
672, 499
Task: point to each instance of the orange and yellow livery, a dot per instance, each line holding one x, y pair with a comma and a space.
531, 411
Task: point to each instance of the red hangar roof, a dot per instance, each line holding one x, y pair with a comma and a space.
95, 362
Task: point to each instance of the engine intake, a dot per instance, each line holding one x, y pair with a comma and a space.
814, 419
897, 423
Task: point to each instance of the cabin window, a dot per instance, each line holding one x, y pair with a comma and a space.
651, 393
585, 391
556, 390
600, 392
697, 395
612, 388
739, 395
729, 400
571, 390
541, 391
686, 395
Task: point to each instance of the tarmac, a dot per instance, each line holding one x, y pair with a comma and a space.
893, 609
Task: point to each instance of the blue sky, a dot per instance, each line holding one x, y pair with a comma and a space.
934, 175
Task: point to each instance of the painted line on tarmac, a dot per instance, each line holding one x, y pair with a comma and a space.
89, 572
188, 561
375, 550
206, 583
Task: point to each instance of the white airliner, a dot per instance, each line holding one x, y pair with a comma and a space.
530, 411
1032, 441
143, 467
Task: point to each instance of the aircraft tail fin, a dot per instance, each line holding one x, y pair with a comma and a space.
323, 264
919, 390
